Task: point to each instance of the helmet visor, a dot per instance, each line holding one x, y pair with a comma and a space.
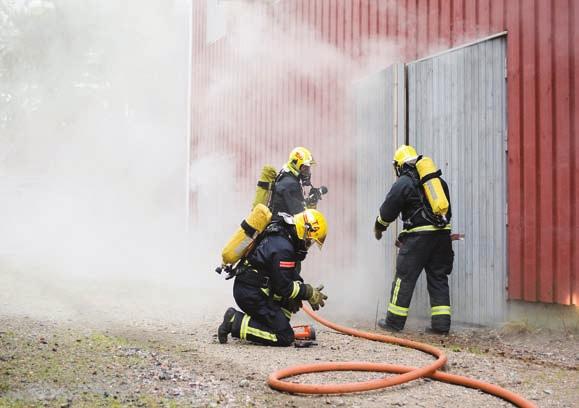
305, 170
319, 241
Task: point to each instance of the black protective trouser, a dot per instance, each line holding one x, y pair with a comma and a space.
264, 320
433, 253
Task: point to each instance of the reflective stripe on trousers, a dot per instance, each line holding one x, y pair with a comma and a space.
398, 310
440, 310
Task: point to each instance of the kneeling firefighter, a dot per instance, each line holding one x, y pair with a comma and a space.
425, 241
268, 287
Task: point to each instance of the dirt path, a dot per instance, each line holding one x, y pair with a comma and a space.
44, 363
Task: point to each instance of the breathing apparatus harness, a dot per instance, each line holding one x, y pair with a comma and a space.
425, 210
248, 273
313, 196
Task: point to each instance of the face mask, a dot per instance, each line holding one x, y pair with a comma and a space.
302, 248
301, 254
306, 175
396, 169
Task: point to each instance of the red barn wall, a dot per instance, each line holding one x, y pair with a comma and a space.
542, 112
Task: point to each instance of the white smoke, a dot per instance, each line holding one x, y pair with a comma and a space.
94, 139
93, 164
266, 52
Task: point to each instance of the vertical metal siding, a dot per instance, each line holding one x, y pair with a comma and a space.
563, 159
456, 108
545, 169
542, 159
529, 151
380, 115
574, 53
515, 134
543, 155
262, 110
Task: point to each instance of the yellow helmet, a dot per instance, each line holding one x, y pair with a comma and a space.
300, 156
311, 225
404, 154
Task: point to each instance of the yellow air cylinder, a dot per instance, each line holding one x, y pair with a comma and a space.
429, 177
264, 185
242, 239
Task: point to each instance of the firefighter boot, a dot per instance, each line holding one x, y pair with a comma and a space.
225, 327
431, 330
384, 324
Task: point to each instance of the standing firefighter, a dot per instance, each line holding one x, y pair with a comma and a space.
288, 191
424, 242
268, 287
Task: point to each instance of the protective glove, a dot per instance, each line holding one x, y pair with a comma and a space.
377, 233
314, 196
294, 305
379, 228
315, 296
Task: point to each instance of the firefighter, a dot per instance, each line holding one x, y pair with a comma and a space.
288, 191
422, 246
269, 288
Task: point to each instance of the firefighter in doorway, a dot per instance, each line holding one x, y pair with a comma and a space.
425, 243
269, 288
288, 191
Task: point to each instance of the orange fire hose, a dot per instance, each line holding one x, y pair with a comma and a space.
405, 373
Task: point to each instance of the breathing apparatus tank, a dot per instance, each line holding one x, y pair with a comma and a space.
430, 179
242, 239
264, 185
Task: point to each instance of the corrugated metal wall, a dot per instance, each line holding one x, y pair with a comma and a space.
272, 86
543, 153
380, 101
542, 50
457, 116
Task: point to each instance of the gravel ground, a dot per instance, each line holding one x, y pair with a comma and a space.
150, 364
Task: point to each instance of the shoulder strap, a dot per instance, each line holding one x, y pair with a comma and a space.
277, 178
430, 176
425, 209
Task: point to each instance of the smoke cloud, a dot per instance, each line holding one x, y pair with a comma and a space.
271, 83
93, 165
96, 110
